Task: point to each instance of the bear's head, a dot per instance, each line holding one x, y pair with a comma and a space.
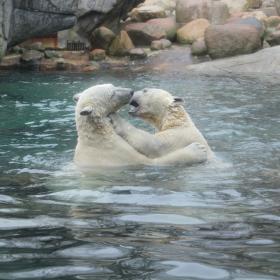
97, 102
153, 105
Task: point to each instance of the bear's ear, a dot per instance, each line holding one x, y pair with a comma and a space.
76, 97
86, 111
178, 100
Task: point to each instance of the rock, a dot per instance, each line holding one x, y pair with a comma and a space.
235, 6
167, 5
102, 37
192, 31
74, 55
48, 65
231, 39
273, 38
266, 45
254, 4
199, 47
10, 62
259, 64
259, 15
165, 43
219, 12
137, 53
188, 10
273, 21
251, 21
268, 3
160, 44
31, 56
91, 67
270, 11
51, 54
146, 12
144, 33
38, 46
121, 45
277, 5
168, 24
97, 54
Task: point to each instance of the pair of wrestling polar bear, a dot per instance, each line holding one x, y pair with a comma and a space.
107, 140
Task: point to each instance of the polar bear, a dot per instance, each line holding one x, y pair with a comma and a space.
167, 114
99, 146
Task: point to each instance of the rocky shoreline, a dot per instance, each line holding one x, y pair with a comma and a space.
205, 29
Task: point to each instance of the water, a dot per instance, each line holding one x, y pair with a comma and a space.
211, 221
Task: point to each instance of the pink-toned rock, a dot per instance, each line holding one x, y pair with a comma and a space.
188, 10
144, 33
192, 31
168, 24
232, 39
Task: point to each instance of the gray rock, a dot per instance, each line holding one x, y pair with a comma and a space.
231, 39
31, 56
137, 53
264, 62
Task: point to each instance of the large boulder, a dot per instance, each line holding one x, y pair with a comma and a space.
188, 10
168, 24
232, 39
121, 45
192, 31
102, 37
261, 63
142, 33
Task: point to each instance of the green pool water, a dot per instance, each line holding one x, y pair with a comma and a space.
212, 221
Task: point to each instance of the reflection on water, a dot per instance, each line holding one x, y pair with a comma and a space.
212, 221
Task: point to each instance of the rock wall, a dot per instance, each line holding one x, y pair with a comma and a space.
24, 19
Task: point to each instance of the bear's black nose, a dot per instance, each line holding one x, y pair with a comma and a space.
131, 92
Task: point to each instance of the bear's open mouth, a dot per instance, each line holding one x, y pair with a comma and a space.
134, 107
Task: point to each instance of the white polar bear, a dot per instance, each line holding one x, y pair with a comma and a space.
167, 114
99, 146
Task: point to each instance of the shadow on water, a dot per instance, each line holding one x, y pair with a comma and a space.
212, 221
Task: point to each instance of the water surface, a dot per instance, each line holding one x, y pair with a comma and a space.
211, 221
